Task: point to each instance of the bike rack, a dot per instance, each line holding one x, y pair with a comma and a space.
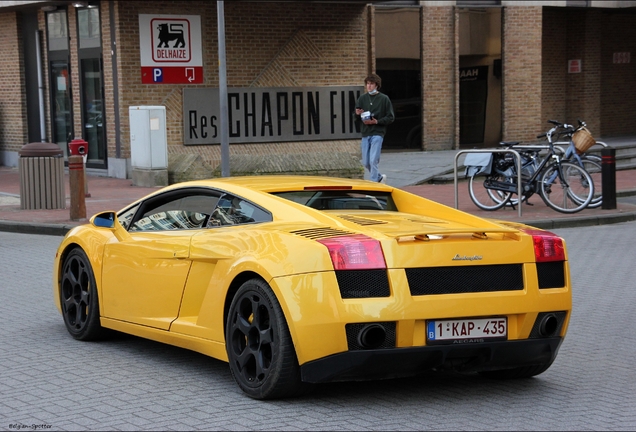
517, 156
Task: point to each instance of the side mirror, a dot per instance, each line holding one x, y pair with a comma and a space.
104, 220
109, 220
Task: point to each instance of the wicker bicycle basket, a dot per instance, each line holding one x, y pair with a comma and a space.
583, 140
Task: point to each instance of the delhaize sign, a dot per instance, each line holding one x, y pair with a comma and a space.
170, 48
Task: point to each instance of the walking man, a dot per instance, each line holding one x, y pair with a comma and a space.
376, 112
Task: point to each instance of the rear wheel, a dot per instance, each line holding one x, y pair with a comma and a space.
78, 297
260, 350
485, 198
568, 189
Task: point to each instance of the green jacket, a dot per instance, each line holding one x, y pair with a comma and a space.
381, 108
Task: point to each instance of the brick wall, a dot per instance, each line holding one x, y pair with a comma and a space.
604, 93
439, 78
583, 89
618, 84
521, 62
13, 127
267, 45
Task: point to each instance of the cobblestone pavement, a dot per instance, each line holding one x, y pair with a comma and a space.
51, 382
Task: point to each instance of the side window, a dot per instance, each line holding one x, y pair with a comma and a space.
175, 212
232, 210
126, 217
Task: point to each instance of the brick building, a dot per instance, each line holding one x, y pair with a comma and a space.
460, 74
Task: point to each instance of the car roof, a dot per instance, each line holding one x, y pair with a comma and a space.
283, 183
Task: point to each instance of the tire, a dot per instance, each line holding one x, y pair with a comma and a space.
570, 192
498, 196
594, 169
259, 347
487, 199
78, 297
517, 373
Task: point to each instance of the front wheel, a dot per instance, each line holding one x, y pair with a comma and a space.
78, 297
566, 187
259, 347
486, 198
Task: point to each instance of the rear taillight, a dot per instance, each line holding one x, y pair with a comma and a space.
355, 252
547, 246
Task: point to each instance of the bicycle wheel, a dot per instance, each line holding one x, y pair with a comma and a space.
499, 196
483, 197
566, 187
593, 168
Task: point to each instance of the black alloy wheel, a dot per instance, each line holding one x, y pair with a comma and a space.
260, 350
78, 297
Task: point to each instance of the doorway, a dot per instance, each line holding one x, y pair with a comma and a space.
480, 83
62, 125
397, 47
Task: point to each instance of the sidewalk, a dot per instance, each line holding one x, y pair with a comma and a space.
404, 169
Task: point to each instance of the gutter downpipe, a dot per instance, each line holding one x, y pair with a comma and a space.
225, 126
38, 55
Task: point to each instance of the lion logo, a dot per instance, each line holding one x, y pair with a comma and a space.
173, 32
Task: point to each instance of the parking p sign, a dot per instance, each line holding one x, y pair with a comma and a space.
170, 49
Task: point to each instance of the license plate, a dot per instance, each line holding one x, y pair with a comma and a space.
467, 330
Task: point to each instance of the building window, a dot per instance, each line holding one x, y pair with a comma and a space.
91, 84
59, 79
57, 30
88, 28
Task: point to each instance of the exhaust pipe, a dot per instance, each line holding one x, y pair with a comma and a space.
371, 336
548, 325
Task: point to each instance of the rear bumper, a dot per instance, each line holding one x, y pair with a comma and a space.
396, 362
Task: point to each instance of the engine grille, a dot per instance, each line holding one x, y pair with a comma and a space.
363, 283
466, 279
319, 233
551, 274
361, 220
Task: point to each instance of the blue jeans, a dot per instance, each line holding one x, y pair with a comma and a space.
371, 147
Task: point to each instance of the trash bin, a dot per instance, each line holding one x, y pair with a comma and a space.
42, 176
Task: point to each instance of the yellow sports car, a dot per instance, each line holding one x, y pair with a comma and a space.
296, 280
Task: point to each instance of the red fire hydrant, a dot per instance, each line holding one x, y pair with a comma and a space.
77, 148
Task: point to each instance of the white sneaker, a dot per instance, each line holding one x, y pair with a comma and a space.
382, 178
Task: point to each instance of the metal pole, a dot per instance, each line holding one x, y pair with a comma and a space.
225, 134
608, 178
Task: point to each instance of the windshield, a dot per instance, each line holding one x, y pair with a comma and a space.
341, 199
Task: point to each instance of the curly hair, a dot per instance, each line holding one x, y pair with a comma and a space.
374, 79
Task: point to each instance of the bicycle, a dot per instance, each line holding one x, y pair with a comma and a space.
564, 186
591, 163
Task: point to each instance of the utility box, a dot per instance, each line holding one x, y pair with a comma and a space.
148, 145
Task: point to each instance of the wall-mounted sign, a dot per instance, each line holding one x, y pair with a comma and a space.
267, 114
621, 57
574, 66
474, 73
170, 49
